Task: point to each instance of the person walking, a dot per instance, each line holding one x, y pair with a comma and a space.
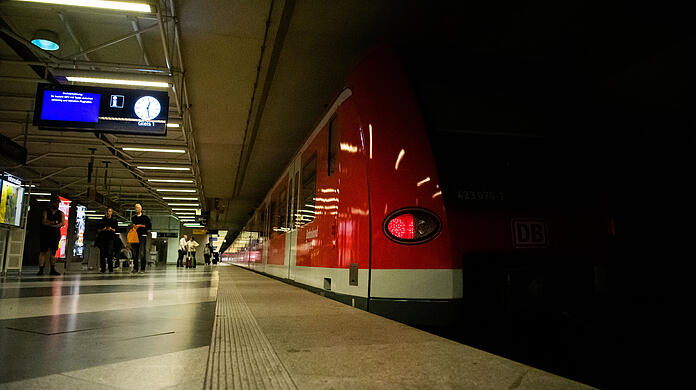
106, 230
49, 236
182, 251
191, 249
142, 224
207, 251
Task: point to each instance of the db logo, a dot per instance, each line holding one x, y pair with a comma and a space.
529, 233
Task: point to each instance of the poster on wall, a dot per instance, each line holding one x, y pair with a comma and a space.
11, 199
80, 231
64, 206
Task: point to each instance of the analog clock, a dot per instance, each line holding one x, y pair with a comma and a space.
147, 108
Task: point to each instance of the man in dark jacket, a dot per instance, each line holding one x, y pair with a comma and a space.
106, 230
143, 225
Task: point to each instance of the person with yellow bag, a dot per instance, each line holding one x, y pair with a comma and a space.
142, 225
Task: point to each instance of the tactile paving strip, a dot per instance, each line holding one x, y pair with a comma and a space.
241, 357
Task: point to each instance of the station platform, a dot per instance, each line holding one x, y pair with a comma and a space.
224, 327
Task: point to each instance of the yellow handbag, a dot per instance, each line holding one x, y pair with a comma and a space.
132, 236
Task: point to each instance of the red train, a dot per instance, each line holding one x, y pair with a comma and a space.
367, 215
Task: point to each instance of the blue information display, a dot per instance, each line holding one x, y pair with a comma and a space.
105, 110
70, 106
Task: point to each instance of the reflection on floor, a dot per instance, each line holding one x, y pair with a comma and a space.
90, 330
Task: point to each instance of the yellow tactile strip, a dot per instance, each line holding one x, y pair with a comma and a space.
241, 357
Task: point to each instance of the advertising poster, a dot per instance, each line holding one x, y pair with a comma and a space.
80, 231
11, 200
64, 206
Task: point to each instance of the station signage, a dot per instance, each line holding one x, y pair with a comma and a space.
102, 110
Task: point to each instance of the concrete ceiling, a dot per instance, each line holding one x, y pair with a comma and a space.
252, 77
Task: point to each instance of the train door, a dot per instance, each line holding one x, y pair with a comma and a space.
291, 236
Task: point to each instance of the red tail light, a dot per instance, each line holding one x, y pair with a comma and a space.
401, 226
411, 226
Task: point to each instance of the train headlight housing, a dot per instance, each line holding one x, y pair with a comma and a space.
411, 226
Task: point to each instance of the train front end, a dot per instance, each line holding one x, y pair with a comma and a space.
414, 276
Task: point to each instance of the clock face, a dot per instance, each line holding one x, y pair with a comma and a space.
147, 108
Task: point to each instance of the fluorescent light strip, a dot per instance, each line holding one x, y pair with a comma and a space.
154, 150
173, 125
184, 204
139, 83
166, 168
103, 4
173, 190
42, 200
185, 213
193, 225
90, 211
178, 198
170, 181
182, 209
40, 194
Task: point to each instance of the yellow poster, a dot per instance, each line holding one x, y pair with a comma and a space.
3, 201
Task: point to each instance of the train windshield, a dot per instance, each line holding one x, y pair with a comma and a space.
489, 136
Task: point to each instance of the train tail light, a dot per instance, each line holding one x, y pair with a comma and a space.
411, 226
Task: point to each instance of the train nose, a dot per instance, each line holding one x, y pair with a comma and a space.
412, 226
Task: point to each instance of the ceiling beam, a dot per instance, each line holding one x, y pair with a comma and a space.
108, 43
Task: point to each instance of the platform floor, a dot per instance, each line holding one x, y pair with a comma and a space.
224, 327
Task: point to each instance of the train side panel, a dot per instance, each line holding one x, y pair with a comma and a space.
333, 247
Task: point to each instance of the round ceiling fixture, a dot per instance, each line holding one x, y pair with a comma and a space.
46, 40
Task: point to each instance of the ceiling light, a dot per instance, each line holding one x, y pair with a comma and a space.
193, 225
155, 150
173, 125
90, 211
96, 80
45, 40
166, 168
42, 200
173, 190
185, 213
103, 4
182, 209
178, 198
170, 181
40, 194
184, 204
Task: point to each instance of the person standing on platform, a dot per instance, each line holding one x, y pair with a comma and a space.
207, 251
49, 237
106, 230
142, 223
182, 251
191, 249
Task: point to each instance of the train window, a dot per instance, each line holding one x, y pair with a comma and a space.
282, 209
334, 138
291, 218
309, 191
274, 217
293, 200
263, 225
